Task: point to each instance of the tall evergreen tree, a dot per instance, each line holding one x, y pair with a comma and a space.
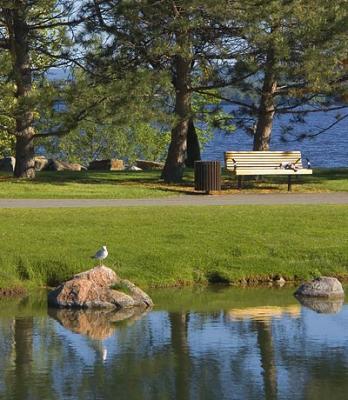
33, 39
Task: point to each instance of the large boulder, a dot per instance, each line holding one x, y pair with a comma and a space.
99, 287
102, 276
41, 163
324, 286
146, 165
7, 164
106, 165
56, 165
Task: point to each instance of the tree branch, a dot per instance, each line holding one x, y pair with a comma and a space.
62, 130
238, 103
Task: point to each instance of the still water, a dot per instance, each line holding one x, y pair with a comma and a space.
195, 344
329, 149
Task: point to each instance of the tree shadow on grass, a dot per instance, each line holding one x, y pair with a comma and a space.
329, 174
151, 180
88, 177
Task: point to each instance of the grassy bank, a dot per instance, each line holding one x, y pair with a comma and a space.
129, 185
175, 245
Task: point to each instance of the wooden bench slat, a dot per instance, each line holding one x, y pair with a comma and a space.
255, 171
263, 152
255, 162
275, 159
235, 157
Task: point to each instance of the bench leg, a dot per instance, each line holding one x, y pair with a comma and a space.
289, 183
239, 185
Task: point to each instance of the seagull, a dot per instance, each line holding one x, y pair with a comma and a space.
101, 254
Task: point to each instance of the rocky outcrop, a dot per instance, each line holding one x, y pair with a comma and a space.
145, 164
99, 287
107, 165
96, 324
7, 164
325, 287
322, 305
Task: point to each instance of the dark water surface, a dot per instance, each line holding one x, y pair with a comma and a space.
329, 149
195, 344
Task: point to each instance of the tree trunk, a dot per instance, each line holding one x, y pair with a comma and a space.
20, 54
264, 125
175, 162
25, 163
193, 148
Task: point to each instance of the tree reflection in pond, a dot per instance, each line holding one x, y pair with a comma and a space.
23, 339
179, 330
233, 352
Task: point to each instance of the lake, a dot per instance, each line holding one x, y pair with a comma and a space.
330, 149
217, 343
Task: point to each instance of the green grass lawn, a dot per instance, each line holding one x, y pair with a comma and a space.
166, 246
98, 185
84, 185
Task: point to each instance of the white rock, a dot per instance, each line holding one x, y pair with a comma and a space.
134, 168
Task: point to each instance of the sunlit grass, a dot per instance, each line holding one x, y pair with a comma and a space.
166, 246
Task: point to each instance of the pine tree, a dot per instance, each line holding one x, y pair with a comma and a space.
33, 40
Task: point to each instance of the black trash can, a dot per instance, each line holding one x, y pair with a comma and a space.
208, 176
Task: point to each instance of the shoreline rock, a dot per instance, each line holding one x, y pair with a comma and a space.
98, 287
323, 287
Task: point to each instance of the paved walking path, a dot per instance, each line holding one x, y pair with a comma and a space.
185, 200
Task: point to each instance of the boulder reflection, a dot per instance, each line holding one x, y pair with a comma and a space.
322, 306
96, 324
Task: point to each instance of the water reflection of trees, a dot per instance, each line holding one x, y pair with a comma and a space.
23, 336
178, 355
267, 357
179, 331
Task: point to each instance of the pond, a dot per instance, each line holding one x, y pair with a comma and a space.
218, 343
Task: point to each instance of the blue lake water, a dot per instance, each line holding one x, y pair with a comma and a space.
329, 149
204, 344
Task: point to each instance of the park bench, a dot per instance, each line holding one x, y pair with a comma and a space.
246, 163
